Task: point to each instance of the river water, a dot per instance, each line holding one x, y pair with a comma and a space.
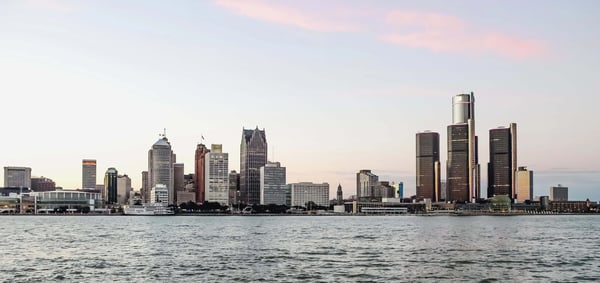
299, 248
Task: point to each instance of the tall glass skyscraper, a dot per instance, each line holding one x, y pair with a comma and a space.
110, 186
253, 155
428, 166
463, 170
503, 161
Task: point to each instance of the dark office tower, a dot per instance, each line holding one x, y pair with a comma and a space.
88, 174
253, 155
110, 186
428, 166
234, 187
340, 195
503, 160
463, 171
145, 189
200, 172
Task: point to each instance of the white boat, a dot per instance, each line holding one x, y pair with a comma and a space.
147, 209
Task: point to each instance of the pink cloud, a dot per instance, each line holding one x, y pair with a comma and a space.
443, 33
427, 30
281, 14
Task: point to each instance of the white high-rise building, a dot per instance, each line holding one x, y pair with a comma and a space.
123, 189
273, 188
217, 175
305, 192
17, 177
159, 194
160, 167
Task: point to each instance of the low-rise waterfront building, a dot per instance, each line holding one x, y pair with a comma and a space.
302, 194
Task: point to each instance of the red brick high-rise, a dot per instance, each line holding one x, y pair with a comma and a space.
200, 166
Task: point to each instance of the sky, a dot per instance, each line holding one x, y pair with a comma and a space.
339, 86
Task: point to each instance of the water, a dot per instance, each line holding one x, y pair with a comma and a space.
299, 248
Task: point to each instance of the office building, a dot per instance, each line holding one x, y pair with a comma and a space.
179, 180
123, 189
365, 182
159, 194
42, 184
253, 155
524, 184
463, 170
160, 166
340, 195
383, 189
145, 191
110, 186
428, 166
200, 170
88, 174
16, 177
503, 162
217, 175
234, 187
559, 193
273, 188
305, 192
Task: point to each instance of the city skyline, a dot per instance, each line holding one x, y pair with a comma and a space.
315, 80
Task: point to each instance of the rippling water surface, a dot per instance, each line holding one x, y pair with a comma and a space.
301, 249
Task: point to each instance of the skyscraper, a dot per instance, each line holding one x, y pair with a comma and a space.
463, 170
178, 179
524, 184
123, 189
340, 195
234, 187
273, 188
200, 168
88, 174
160, 166
17, 177
145, 188
503, 161
428, 166
253, 155
110, 186
365, 183
217, 175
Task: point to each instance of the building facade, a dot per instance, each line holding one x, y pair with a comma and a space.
559, 193
217, 175
178, 178
365, 183
305, 192
200, 170
234, 187
110, 186
123, 189
503, 162
273, 188
42, 184
428, 166
160, 167
16, 177
88, 174
253, 155
159, 194
462, 167
145, 191
524, 184
340, 195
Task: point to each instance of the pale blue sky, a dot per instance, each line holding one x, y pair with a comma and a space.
339, 86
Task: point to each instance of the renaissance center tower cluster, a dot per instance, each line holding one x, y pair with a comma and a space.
463, 171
